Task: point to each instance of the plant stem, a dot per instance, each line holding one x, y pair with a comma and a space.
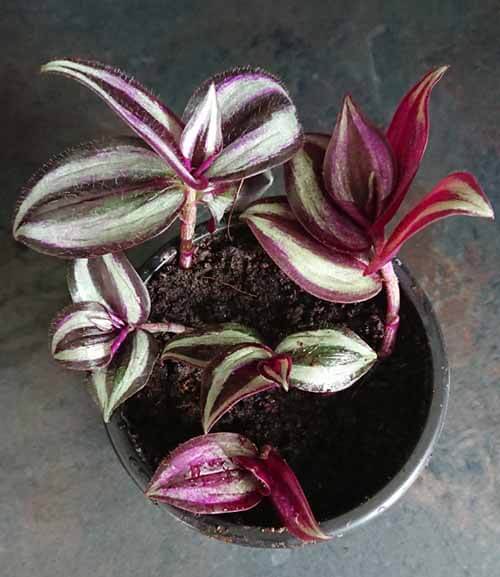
392, 315
188, 224
163, 328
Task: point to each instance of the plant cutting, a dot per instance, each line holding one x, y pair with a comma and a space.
250, 343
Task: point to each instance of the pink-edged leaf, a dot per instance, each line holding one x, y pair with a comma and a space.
321, 271
112, 281
358, 166
144, 113
313, 206
457, 194
201, 139
232, 377
98, 199
201, 476
408, 134
200, 347
82, 336
285, 493
277, 369
127, 374
260, 128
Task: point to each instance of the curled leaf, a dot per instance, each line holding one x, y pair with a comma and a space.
127, 374
232, 378
277, 369
98, 199
285, 493
201, 476
200, 347
457, 194
327, 360
322, 272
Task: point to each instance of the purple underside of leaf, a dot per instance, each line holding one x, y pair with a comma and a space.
143, 112
98, 199
457, 194
232, 377
285, 493
277, 369
321, 271
358, 166
313, 206
111, 280
201, 476
260, 128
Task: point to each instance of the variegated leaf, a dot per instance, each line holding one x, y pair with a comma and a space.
358, 166
327, 360
259, 123
320, 271
112, 281
457, 194
313, 206
201, 476
127, 374
83, 335
285, 493
201, 346
96, 200
277, 369
144, 113
232, 378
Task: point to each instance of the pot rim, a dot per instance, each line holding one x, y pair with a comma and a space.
266, 537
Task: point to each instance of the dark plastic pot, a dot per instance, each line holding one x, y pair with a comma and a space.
222, 528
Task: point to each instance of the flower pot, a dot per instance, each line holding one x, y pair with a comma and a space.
241, 532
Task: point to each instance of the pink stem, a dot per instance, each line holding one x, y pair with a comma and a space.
163, 328
188, 224
392, 315
122, 335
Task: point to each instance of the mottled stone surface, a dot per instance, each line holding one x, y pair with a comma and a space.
66, 507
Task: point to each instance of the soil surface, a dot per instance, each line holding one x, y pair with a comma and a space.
342, 447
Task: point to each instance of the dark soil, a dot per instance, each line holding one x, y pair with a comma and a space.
343, 447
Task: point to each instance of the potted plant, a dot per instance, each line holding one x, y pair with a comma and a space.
284, 340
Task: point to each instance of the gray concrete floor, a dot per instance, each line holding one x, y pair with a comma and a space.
67, 508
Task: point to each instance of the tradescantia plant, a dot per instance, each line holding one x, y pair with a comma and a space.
328, 233
108, 197
237, 364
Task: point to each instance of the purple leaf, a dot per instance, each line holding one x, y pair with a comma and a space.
313, 206
457, 194
358, 166
277, 369
285, 493
112, 281
232, 378
201, 476
96, 200
128, 372
82, 336
143, 112
259, 123
201, 139
322, 272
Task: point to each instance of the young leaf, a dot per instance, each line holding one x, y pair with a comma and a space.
201, 476
325, 273
358, 166
82, 336
285, 493
408, 134
96, 200
143, 112
457, 194
112, 281
313, 206
277, 369
127, 374
259, 123
200, 347
232, 378
327, 360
